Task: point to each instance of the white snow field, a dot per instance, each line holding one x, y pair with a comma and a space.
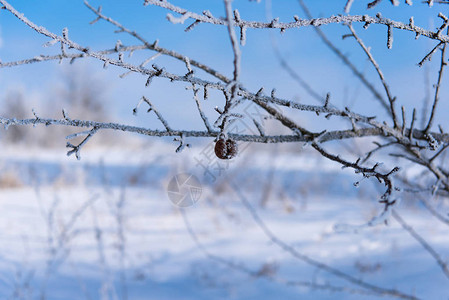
104, 228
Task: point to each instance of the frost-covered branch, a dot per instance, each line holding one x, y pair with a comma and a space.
391, 99
443, 64
297, 23
443, 265
346, 60
325, 137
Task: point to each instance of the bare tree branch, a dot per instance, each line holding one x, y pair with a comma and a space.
185, 14
391, 99
437, 88
423, 243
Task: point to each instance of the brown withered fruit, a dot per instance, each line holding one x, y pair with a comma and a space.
225, 149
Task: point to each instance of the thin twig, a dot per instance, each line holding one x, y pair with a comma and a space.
291, 250
434, 211
391, 99
156, 47
198, 104
157, 113
258, 274
234, 40
346, 60
185, 14
437, 89
423, 242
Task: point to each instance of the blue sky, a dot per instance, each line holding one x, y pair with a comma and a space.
210, 44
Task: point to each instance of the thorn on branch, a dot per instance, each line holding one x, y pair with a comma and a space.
191, 26
65, 116
237, 16
206, 92
390, 37
326, 102
65, 33
243, 35
373, 3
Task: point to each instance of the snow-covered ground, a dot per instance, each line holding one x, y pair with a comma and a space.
104, 228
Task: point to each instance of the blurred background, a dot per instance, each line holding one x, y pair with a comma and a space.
104, 227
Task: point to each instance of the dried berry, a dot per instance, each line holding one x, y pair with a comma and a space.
226, 149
